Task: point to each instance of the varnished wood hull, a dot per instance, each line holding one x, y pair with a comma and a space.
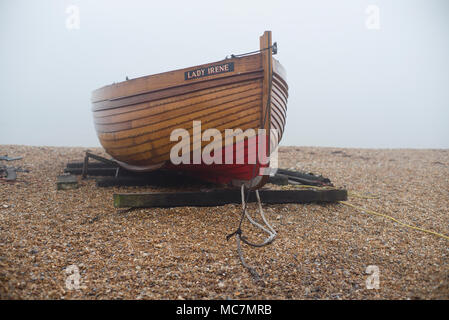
134, 119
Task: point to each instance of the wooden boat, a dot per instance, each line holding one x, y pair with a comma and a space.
134, 119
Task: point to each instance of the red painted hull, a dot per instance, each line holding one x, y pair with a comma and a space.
248, 161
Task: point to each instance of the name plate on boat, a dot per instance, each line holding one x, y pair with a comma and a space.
209, 71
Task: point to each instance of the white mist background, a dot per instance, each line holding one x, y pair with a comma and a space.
350, 86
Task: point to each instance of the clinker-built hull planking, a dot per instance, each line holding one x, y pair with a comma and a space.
134, 118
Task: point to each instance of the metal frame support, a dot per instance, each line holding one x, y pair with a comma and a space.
98, 158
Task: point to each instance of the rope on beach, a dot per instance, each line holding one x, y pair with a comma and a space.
270, 231
363, 210
238, 234
251, 270
393, 219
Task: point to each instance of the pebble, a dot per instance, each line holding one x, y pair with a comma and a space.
321, 251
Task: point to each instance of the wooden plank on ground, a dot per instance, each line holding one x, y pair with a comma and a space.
302, 175
92, 164
66, 182
131, 181
223, 197
92, 171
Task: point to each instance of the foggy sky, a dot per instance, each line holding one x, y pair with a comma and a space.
349, 86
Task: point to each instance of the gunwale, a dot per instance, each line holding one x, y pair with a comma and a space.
173, 79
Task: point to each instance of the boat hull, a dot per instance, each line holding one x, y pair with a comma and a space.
135, 119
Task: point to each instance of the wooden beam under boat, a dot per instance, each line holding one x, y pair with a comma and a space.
223, 197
